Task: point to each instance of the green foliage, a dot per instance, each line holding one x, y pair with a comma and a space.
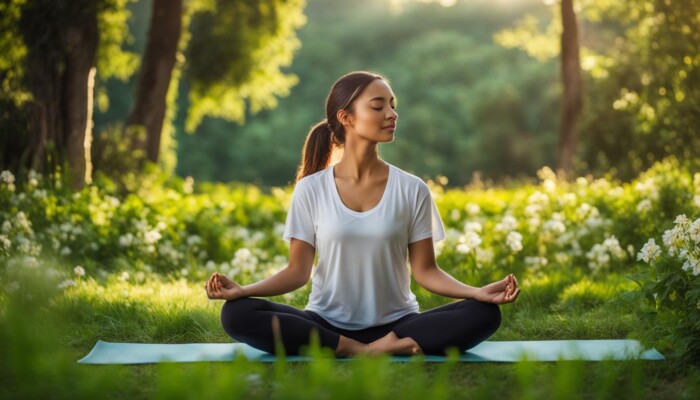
640, 60
260, 39
671, 287
52, 311
478, 107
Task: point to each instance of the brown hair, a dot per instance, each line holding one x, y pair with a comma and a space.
329, 132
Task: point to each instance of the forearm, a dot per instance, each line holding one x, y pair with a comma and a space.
284, 281
440, 282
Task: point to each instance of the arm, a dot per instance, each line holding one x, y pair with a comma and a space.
427, 274
294, 276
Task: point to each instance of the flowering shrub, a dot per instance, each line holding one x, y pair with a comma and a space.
586, 227
671, 285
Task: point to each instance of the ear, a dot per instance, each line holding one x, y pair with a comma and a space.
344, 117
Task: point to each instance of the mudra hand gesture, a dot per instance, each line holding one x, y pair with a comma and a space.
504, 291
218, 286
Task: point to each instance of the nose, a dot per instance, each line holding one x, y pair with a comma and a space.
393, 114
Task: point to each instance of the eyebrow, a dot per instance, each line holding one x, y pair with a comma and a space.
379, 98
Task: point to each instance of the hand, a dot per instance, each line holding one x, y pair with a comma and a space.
504, 291
218, 286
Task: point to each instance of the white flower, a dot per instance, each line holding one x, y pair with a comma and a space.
532, 210
79, 271
5, 243
193, 240
483, 256
536, 261
245, 260
468, 242
123, 277
454, 214
278, 229
7, 177
554, 226
151, 236
6, 226
613, 246
471, 226
188, 185
126, 240
22, 221
649, 252
681, 220
65, 251
567, 198
538, 198
644, 205
694, 231
472, 209
533, 223
673, 239
507, 224
549, 186
696, 200
545, 173
514, 241
66, 283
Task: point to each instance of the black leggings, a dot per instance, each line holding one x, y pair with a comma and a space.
462, 324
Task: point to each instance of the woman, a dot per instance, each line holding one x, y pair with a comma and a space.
363, 215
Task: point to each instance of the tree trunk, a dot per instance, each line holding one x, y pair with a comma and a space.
60, 63
78, 82
571, 78
156, 71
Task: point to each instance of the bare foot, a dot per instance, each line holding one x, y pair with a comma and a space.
349, 347
393, 345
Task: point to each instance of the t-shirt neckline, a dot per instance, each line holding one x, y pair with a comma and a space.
339, 201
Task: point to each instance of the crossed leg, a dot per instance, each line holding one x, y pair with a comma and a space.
462, 324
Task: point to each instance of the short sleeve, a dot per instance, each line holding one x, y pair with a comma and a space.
426, 218
300, 223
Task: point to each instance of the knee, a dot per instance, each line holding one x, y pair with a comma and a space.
235, 312
493, 316
490, 314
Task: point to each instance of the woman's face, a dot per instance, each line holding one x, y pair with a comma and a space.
374, 116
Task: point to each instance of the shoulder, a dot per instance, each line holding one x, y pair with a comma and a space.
311, 183
410, 182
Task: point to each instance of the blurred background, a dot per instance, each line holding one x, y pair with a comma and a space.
481, 91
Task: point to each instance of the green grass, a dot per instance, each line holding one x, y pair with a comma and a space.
44, 334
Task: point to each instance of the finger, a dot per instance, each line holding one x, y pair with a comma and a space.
517, 292
512, 297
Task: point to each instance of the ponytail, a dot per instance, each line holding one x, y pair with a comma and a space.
317, 151
329, 133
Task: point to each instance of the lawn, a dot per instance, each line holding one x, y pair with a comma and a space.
76, 268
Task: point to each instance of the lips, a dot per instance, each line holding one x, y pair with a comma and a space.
390, 127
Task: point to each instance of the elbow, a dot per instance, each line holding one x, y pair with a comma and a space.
422, 275
302, 282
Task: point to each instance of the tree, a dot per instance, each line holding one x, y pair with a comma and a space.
236, 53
640, 60
156, 73
70, 45
571, 80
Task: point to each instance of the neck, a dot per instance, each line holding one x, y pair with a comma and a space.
360, 168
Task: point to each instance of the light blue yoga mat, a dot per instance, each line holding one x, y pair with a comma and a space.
501, 351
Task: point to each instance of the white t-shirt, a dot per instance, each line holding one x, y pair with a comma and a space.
362, 278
